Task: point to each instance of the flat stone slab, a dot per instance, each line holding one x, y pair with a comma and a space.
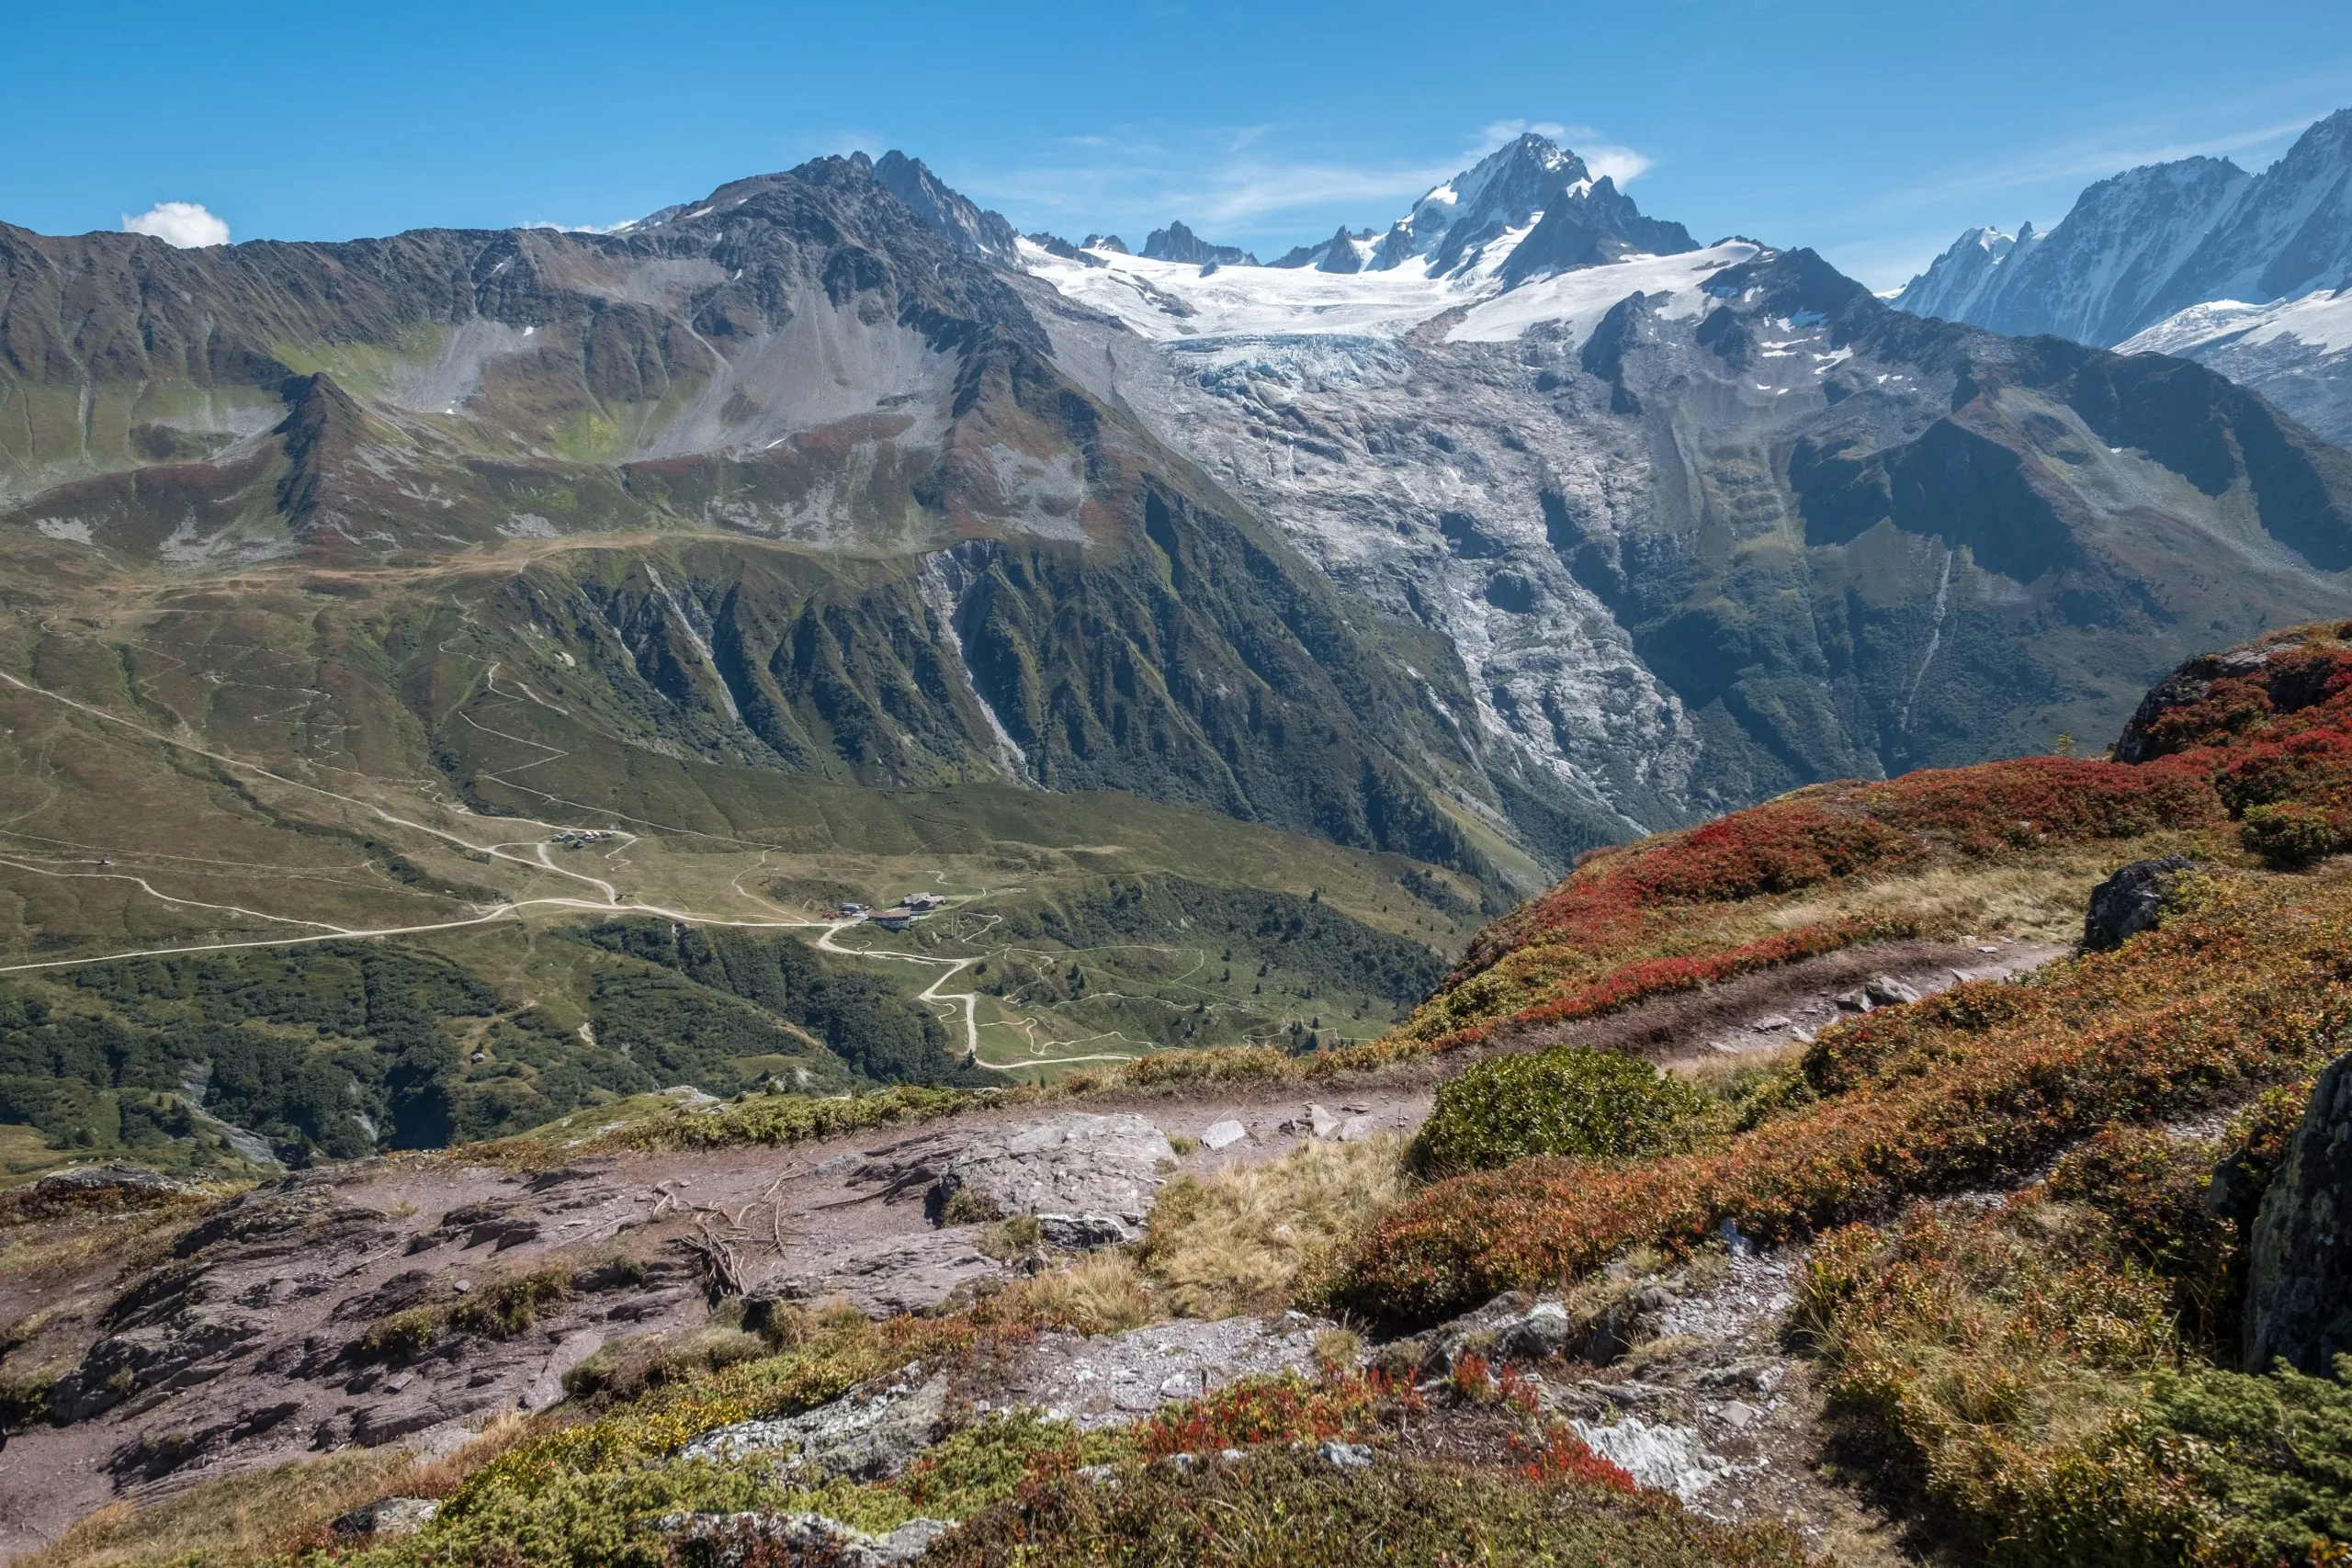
883, 1278
1075, 1166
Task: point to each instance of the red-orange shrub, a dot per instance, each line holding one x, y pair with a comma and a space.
1975, 1088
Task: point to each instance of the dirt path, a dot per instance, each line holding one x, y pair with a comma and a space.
253, 1359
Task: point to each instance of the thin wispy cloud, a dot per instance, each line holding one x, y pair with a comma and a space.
2085, 159
1246, 183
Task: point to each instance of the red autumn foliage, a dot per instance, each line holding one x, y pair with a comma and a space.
1564, 1456
1644, 978
1973, 1086
1285, 1409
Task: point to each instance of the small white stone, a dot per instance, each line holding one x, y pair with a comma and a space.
1222, 1135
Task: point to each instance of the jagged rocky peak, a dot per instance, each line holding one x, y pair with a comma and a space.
1342, 252
2142, 246
969, 227
1583, 222
1504, 190
1178, 243
1111, 242
1053, 245
2292, 232
1956, 281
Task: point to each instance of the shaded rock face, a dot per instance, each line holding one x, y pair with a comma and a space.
2129, 902
2299, 1276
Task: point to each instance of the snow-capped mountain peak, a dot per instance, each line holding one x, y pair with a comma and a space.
1502, 192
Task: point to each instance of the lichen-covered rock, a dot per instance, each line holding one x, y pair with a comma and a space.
866, 1436
2299, 1273
2128, 903
722, 1540
387, 1518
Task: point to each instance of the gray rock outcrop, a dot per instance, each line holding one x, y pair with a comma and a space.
885, 1278
1089, 1179
2299, 1273
867, 1437
2130, 902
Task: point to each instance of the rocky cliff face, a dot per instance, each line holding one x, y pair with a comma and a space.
2196, 258
2299, 1273
2155, 240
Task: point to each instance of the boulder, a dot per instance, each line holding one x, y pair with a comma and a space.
2130, 902
2298, 1258
387, 1517
1223, 1134
1886, 991
1546, 1331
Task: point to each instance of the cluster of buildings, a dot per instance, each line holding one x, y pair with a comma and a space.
899, 917
574, 838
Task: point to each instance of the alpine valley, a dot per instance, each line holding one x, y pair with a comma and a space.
823, 539
815, 885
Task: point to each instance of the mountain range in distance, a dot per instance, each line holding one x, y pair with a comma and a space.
2250, 274
1524, 525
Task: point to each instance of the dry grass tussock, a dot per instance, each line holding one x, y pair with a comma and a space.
1243, 1239
133, 1238
2042, 900
1103, 1293
269, 1513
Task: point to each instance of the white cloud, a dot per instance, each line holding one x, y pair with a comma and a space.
183, 223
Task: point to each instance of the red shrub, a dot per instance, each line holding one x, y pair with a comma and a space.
2026, 801
1273, 1410
1976, 1087
1564, 1456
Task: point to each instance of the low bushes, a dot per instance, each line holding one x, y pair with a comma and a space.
783, 1119
2025, 1378
1975, 1086
1590, 1104
1279, 1509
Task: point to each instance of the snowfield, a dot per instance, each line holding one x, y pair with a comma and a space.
1171, 301
2321, 321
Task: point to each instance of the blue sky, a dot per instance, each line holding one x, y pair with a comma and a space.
1871, 132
